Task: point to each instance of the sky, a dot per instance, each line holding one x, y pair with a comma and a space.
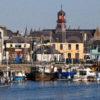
42, 14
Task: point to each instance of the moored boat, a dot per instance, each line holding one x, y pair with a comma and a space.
98, 77
85, 74
19, 76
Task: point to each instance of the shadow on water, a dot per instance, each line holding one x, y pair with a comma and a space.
57, 90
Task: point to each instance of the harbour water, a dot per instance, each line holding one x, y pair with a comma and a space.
58, 90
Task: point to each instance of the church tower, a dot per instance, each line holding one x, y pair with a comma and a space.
61, 22
61, 26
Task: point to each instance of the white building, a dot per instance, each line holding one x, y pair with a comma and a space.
1, 44
95, 46
47, 54
18, 47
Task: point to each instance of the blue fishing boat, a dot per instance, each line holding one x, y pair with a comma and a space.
66, 75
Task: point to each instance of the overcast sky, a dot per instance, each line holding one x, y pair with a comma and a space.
17, 14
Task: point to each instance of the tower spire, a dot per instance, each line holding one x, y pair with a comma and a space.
26, 32
61, 6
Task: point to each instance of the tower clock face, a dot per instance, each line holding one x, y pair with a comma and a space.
60, 17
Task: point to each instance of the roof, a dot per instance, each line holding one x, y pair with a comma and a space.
70, 36
17, 39
95, 42
73, 36
61, 12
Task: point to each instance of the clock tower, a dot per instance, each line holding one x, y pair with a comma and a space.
61, 22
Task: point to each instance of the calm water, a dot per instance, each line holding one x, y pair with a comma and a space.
60, 90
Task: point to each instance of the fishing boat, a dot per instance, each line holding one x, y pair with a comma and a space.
67, 74
45, 73
98, 77
85, 74
19, 76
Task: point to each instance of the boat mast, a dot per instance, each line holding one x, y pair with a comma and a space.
7, 67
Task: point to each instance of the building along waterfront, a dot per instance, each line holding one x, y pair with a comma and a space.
60, 45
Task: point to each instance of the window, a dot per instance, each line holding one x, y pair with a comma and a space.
94, 46
98, 49
11, 46
53, 46
24, 45
77, 55
82, 73
69, 60
77, 47
61, 46
76, 60
61, 58
69, 55
69, 46
18, 46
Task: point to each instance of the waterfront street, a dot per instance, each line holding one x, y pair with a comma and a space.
57, 90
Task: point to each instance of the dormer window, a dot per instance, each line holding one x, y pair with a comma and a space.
11, 45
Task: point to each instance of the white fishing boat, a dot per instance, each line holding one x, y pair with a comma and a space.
98, 77
85, 74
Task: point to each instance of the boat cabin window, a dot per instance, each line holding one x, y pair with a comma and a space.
82, 73
18, 46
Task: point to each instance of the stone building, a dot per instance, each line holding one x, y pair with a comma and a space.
46, 54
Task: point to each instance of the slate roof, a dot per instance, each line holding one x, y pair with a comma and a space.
77, 36
17, 39
71, 35
40, 33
